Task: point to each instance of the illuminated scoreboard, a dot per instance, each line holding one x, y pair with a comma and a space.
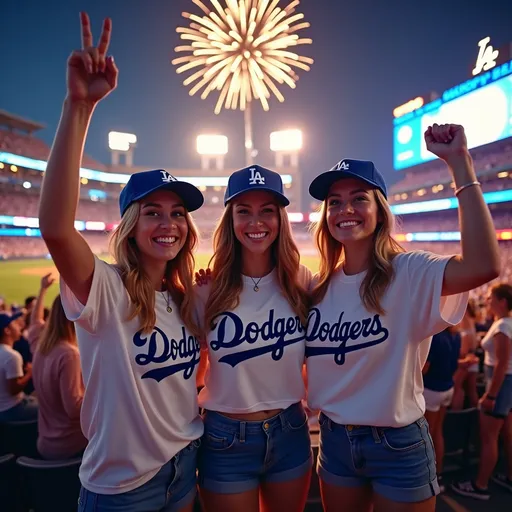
482, 104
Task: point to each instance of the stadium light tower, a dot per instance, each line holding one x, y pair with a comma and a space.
286, 143
212, 148
122, 143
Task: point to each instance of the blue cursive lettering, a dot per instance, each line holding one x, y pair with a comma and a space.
283, 331
160, 349
340, 333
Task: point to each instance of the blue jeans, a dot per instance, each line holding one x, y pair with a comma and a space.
398, 463
235, 456
26, 410
503, 403
171, 489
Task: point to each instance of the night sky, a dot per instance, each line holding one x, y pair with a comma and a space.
370, 56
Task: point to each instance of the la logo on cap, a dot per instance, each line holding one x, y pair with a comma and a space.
167, 178
343, 166
256, 177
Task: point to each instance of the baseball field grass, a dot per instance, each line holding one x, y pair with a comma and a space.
22, 278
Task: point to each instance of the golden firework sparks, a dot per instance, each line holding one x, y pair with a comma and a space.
243, 50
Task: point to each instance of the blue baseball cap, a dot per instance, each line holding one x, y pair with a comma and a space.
347, 168
143, 183
6, 319
255, 177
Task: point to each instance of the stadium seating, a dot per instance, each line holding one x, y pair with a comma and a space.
51, 486
9, 489
19, 438
459, 428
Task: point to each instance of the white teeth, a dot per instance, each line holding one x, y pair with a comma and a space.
166, 239
348, 224
257, 236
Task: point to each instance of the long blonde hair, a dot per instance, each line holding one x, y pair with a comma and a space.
178, 273
57, 329
226, 265
380, 271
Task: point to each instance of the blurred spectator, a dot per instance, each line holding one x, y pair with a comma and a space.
496, 402
466, 376
438, 372
14, 405
60, 390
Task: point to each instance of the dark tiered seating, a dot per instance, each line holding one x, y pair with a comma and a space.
50, 486
19, 438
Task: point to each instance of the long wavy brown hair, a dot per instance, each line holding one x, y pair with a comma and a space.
57, 329
178, 273
380, 271
226, 266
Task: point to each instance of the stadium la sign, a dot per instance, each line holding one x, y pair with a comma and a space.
487, 56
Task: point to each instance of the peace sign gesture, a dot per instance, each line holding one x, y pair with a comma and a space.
91, 75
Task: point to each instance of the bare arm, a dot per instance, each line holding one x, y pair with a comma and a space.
17, 385
479, 262
37, 314
90, 78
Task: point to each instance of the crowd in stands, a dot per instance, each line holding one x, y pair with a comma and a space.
497, 156
27, 145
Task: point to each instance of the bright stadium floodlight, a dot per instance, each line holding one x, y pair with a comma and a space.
119, 142
286, 143
212, 147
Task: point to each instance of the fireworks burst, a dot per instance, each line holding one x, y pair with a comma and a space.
242, 50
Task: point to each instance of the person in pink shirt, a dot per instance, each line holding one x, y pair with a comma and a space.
58, 382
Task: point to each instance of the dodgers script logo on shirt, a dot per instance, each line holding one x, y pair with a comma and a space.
160, 349
283, 331
337, 335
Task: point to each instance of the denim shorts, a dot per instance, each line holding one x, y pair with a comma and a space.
236, 456
171, 489
503, 403
398, 463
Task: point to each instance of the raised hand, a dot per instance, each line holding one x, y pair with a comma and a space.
47, 281
91, 74
446, 140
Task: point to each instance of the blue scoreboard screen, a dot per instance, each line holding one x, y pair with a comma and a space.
483, 105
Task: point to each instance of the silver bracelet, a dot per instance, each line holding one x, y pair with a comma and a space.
467, 185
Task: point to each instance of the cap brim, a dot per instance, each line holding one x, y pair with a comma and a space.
320, 186
190, 195
280, 197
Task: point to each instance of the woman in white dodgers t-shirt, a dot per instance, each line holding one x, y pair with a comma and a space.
256, 440
496, 402
134, 320
375, 310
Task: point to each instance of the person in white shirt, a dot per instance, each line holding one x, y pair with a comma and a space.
134, 320
14, 404
496, 402
375, 310
256, 443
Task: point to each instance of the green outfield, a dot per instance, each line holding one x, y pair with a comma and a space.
21, 278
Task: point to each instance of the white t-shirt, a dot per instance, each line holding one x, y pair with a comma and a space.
365, 369
503, 325
11, 367
255, 352
140, 404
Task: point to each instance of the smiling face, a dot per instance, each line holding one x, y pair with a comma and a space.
162, 228
352, 211
256, 221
